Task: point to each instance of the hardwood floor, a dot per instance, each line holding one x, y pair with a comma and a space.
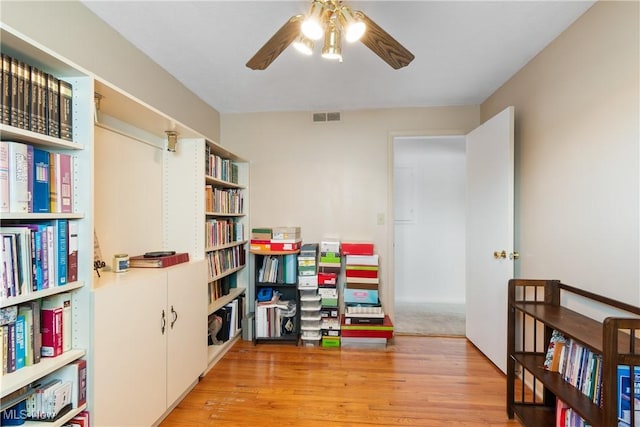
415, 381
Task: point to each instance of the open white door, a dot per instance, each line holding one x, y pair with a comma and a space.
489, 234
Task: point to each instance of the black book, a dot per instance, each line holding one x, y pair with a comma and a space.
5, 102
66, 110
52, 106
225, 315
14, 75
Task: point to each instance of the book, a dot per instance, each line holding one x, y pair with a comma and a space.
26, 312
76, 374
13, 93
20, 349
31, 310
51, 328
139, 261
5, 100
624, 395
40, 193
66, 110
52, 106
4, 176
65, 171
72, 255
18, 177
62, 301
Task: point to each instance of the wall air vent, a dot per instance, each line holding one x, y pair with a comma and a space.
319, 117
326, 117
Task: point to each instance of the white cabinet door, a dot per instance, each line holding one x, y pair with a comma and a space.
187, 327
129, 379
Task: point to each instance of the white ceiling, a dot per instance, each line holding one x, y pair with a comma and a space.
464, 50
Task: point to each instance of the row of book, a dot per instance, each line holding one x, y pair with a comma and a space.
48, 398
278, 269
226, 322
222, 231
220, 168
221, 200
219, 262
576, 364
35, 329
35, 100
221, 287
34, 180
566, 416
37, 256
275, 317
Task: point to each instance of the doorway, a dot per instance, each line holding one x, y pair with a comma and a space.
429, 176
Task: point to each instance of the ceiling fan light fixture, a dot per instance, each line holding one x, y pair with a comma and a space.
354, 26
332, 43
304, 45
311, 26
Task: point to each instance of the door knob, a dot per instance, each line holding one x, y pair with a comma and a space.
500, 254
514, 255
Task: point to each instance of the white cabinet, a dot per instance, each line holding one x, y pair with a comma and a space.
150, 341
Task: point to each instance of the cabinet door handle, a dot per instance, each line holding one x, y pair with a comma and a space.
163, 322
175, 317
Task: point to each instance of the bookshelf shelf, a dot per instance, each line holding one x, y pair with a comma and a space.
216, 352
222, 301
13, 381
9, 132
223, 184
536, 309
225, 214
40, 294
226, 245
59, 422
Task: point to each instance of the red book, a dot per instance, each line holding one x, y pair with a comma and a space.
158, 262
51, 329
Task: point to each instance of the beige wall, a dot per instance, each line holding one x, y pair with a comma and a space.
332, 179
577, 157
90, 43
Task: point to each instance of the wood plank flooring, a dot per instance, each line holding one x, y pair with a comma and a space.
415, 381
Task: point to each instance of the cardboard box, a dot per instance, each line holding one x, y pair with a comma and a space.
357, 248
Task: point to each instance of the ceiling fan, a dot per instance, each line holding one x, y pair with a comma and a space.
330, 18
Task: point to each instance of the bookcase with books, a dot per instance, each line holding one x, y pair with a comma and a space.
567, 368
46, 225
276, 299
226, 176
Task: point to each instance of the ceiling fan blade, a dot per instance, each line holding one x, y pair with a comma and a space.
385, 46
276, 44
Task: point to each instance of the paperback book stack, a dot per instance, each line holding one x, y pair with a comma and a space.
309, 297
330, 266
364, 323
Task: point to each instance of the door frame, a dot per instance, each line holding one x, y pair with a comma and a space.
388, 299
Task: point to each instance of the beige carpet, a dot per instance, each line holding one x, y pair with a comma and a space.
429, 319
